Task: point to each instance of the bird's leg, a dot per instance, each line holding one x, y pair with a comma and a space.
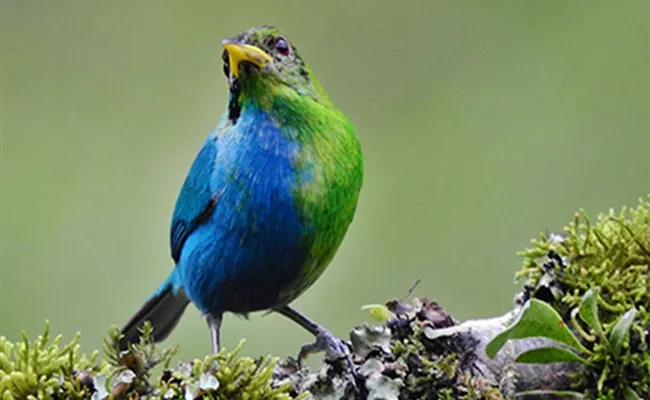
325, 341
214, 322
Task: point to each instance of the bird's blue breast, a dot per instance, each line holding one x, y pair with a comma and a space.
250, 247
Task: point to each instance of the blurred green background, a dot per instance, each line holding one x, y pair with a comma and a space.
482, 123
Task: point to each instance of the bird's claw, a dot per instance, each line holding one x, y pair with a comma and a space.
335, 349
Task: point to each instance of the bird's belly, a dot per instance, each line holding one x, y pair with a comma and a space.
244, 260
276, 223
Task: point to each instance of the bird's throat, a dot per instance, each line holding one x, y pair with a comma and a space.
234, 106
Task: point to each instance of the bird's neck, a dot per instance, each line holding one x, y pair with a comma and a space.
282, 102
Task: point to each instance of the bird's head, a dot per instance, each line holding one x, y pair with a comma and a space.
262, 61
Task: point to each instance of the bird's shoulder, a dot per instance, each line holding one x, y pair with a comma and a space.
198, 195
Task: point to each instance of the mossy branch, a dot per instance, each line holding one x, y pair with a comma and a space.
591, 279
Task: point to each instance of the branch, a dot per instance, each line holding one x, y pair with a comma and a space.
580, 328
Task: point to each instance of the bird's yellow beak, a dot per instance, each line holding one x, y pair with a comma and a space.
239, 52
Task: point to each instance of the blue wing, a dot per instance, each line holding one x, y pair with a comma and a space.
197, 199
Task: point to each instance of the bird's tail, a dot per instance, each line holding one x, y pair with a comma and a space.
164, 309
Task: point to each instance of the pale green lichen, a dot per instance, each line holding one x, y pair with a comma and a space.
413, 365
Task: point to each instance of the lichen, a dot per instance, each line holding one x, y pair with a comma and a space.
400, 360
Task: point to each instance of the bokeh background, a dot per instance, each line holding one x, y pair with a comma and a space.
483, 123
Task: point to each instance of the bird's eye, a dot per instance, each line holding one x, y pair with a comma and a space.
282, 47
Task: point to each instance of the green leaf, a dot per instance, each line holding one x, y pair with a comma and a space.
537, 319
378, 311
620, 330
545, 355
549, 394
589, 312
630, 394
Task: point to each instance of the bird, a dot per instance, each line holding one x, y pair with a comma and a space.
267, 201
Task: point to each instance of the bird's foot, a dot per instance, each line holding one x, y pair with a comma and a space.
335, 348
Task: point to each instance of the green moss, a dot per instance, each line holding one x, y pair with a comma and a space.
612, 254
42, 370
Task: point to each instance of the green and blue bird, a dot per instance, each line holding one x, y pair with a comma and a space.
267, 201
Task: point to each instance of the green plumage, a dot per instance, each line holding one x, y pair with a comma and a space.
329, 161
268, 199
